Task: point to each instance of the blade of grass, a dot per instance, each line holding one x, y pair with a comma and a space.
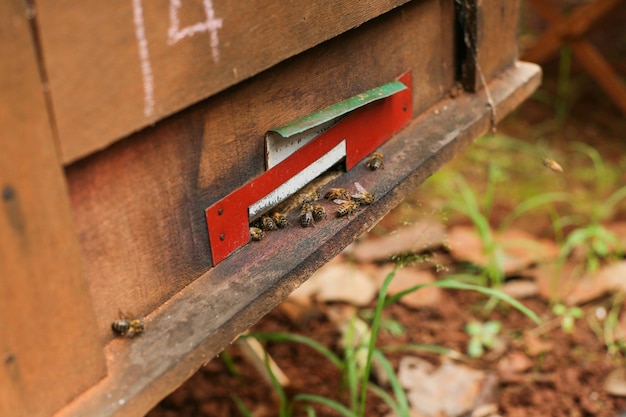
284, 408
350, 366
340, 408
451, 283
402, 404
422, 347
241, 406
307, 341
382, 294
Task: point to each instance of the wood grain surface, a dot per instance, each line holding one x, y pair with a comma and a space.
49, 346
489, 39
116, 67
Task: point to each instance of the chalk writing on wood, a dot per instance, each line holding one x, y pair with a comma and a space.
174, 34
144, 59
211, 25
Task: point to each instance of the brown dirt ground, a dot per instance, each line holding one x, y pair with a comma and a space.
565, 380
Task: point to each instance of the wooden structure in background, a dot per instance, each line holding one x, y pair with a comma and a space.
123, 122
573, 30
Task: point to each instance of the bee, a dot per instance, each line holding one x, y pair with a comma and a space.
362, 196
552, 164
346, 207
267, 223
375, 161
337, 193
310, 197
319, 212
127, 326
256, 233
280, 219
306, 215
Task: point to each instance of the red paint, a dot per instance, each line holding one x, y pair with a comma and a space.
364, 130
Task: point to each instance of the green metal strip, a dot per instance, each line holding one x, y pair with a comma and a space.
339, 109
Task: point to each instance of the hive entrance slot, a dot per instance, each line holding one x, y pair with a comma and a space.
299, 152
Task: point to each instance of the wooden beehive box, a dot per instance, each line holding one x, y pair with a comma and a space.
123, 122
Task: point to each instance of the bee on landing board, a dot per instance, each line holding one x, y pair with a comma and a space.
280, 219
310, 196
362, 196
256, 233
306, 215
267, 223
127, 326
553, 165
319, 212
337, 194
346, 207
375, 161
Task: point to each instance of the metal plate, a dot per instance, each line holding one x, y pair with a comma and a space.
363, 130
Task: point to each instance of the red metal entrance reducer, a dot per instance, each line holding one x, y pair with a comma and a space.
358, 126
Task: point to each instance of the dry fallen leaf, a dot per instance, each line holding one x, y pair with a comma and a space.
451, 389
615, 382
535, 345
415, 238
514, 362
340, 282
520, 289
556, 282
520, 249
607, 279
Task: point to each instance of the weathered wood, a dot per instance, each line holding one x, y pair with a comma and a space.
490, 44
49, 348
144, 233
116, 67
196, 323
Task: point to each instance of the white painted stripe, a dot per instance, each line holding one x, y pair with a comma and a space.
299, 180
280, 148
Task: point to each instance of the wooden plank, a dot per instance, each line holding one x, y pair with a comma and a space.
49, 348
489, 38
200, 320
144, 233
150, 59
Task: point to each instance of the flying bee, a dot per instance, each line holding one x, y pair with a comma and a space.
280, 219
362, 196
267, 223
310, 196
256, 233
319, 212
552, 164
375, 161
337, 194
346, 207
306, 215
127, 326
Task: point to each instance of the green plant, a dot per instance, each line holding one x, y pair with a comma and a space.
595, 240
358, 357
606, 325
482, 335
391, 326
359, 352
568, 316
468, 205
